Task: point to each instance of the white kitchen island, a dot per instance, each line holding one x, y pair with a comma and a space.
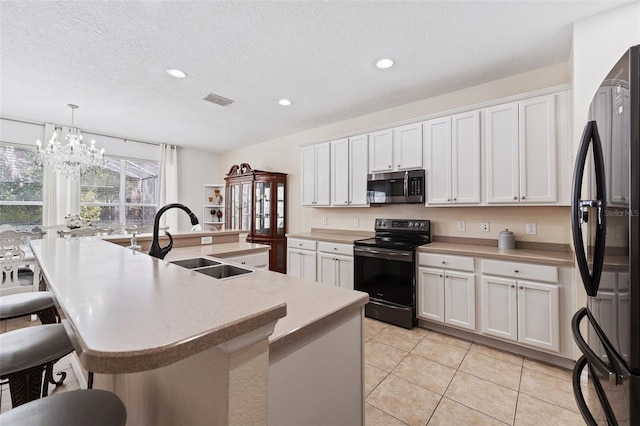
183, 348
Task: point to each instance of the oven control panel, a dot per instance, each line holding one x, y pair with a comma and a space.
419, 225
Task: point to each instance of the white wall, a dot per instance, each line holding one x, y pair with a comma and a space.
283, 155
195, 169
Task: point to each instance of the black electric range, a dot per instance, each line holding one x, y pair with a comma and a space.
385, 268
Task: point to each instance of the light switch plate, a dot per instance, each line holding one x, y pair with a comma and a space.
462, 225
324, 220
206, 240
356, 222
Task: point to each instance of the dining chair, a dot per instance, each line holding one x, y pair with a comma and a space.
89, 231
16, 277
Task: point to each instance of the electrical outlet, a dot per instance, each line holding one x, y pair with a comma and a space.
324, 220
356, 222
206, 240
531, 228
484, 226
462, 226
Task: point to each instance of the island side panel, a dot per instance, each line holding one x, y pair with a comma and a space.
319, 380
210, 388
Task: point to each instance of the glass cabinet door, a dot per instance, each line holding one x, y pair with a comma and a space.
234, 207
245, 208
280, 209
262, 208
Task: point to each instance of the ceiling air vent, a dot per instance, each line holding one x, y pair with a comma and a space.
219, 100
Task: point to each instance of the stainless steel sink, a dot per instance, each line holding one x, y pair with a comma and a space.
223, 271
198, 262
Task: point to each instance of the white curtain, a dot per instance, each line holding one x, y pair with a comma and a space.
168, 174
60, 196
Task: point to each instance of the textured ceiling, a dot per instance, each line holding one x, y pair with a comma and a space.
110, 58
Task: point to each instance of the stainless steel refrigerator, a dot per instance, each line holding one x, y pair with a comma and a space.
605, 221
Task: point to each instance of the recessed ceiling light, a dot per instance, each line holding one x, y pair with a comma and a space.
384, 63
284, 102
176, 73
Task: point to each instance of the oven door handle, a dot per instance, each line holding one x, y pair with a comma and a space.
402, 256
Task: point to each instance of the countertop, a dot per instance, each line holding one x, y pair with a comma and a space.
560, 258
127, 311
333, 235
221, 250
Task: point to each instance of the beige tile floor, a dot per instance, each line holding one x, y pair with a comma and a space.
420, 377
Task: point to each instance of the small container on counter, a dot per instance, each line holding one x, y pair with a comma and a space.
506, 240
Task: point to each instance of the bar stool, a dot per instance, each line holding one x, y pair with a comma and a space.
74, 408
28, 352
23, 304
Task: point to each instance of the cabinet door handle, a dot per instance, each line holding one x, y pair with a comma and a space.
443, 262
440, 276
513, 286
454, 199
448, 199
335, 248
389, 166
516, 271
346, 202
523, 197
521, 288
515, 198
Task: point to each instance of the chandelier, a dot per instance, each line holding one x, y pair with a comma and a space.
73, 159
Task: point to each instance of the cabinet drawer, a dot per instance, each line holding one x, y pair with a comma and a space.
459, 263
301, 244
257, 260
528, 271
335, 248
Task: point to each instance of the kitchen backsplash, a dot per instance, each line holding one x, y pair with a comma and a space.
553, 224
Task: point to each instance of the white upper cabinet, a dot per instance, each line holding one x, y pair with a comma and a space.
521, 152
349, 159
407, 147
316, 174
452, 159
381, 151
396, 149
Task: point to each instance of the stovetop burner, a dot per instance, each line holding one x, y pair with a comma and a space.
402, 234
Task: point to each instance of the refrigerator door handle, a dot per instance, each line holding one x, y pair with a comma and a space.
579, 209
614, 372
579, 396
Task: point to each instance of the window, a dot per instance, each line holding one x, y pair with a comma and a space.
123, 191
20, 187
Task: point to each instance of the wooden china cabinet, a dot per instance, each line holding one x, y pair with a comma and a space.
256, 204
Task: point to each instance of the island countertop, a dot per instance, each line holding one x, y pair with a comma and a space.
173, 312
126, 311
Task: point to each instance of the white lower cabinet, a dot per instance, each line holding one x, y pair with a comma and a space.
523, 311
335, 270
301, 259
335, 264
445, 295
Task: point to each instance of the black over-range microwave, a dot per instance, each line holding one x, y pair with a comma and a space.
396, 187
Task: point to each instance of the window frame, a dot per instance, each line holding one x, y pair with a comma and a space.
30, 149
122, 205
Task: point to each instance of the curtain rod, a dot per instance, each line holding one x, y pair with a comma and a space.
92, 133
